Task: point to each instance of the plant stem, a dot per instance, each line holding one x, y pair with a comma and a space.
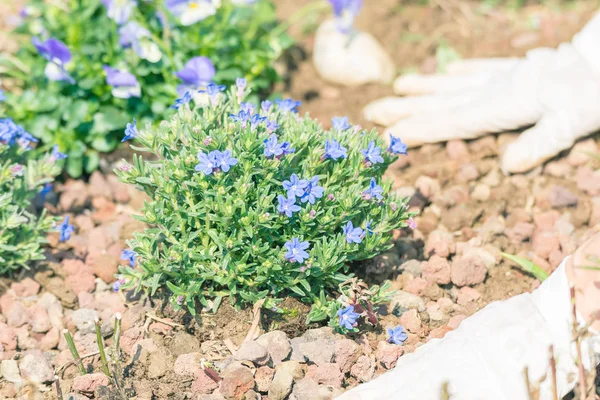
59, 393
117, 336
74, 351
101, 348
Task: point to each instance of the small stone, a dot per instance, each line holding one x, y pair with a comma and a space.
457, 150
296, 354
346, 353
203, 384
521, 232
388, 353
9, 370
402, 301
364, 369
263, 378
326, 374
466, 295
98, 186
440, 243
439, 333
119, 189
236, 382
557, 169
253, 352
187, 364
416, 286
277, 345
458, 217
84, 318
481, 192
437, 269
411, 321
305, 389
40, 321
50, 340
588, 180
104, 266
79, 277
318, 352
25, 288
579, 154
89, 382
413, 267
8, 337
427, 186
35, 367
560, 196
467, 172
159, 363
468, 271
435, 312
15, 313
455, 321
544, 242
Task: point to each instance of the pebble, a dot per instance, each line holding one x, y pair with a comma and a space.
89, 382
403, 301
467, 295
416, 286
437, 269
346, 353
327, 374
277, 345
281, 386
413, 267
457, 150
203, 384
468, 271
411, 321
467, 172
16, 314
84, 318
8, 337
158, 364
263, 378
237, 380
35, 367
521, 232
253, 352
318, 352
427, 186
481, 192
579, 154
79, 277
435, 312
544, 242
104, 266
306, 389
364, 369
25, 288
560, 196
455, 321
40, 321
9, 370
440, 243
388, 353
588, 180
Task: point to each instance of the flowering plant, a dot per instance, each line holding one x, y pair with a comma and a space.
22, 178
86, 67
252, 203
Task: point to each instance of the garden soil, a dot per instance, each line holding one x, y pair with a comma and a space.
445, 270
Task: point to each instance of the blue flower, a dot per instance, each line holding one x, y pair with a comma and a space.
208, 163
119, 10
397, 146
196, 74
191, 11
56, 154
288, 105
266, 106
242, 118
295, 186
340, 123
65, 229
124, 84
183, 100
287, 205
2, 96
137, 37
117, 285
24, 138
397, 335
58, 55
225, 161
348, 317
213, 91
271, 126
287, 148
247, 107
272, 147
374, 191
312, 192
296, 250
131, 131
9, 131
334, 150
353, 235
345, 12
368, 228
241, 83
372, 154
46, 189
256, 120
129, 255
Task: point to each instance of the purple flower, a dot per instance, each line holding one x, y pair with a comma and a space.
372, 154
117, 285
180, 299
312, 192
345, 12
288, 105
287, 205
65, 229
183, 100
334, 150
247, 107
119, 10
241, 84
397, 335
191, 11
225, 160
17, 170
139, 38
348, 317
374, 191
56, 154
353, 235
131, 131
124, 84
397, 146
208, 163
295, 186
213, 91
196, 74
129, 255
340, 123
58, 55
266, 106
411, 223
296, 250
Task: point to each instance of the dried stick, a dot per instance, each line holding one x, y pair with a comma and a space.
255, 321
582, 385
59, 393
553, 371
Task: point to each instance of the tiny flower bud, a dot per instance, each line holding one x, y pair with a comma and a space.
207, 141
180, 299
330, 197
393, 206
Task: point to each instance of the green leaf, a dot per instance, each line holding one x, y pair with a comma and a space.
528, 266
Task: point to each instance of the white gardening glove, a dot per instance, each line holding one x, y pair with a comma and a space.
350, 59
486, 356
558, 91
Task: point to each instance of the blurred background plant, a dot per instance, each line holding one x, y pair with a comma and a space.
23, 176
254, 204
84, 68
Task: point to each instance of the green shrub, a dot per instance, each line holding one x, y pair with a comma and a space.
66, 98
225, 211
22, 177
